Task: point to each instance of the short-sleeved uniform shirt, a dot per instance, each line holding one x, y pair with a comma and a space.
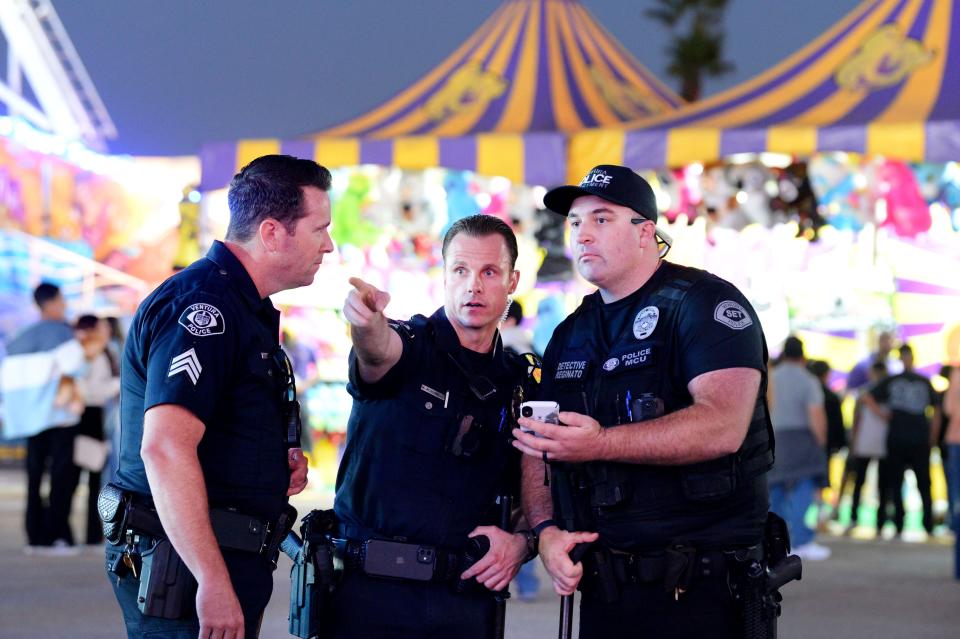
605, 357
907, 395
426, 458
205, 340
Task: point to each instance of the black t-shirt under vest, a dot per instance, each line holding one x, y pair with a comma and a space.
632, 360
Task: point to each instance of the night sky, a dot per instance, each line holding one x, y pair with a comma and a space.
178, 73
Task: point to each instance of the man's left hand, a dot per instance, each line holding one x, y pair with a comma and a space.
497, 568
298, 471
578, 438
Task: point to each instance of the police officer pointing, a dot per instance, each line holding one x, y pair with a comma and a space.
664, 440
428, 451
208, 437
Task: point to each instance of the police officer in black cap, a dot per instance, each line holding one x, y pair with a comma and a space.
664, 439
207, 409
428, 451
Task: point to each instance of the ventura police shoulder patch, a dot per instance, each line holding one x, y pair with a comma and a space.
731, 314
645, 322
202, 320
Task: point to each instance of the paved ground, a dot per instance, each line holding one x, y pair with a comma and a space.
868, 589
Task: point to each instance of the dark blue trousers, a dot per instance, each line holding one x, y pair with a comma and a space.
377, 608
252, 580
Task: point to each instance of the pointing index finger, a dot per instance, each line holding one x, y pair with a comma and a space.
368, 292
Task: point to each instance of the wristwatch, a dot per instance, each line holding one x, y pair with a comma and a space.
534, 541
531, 540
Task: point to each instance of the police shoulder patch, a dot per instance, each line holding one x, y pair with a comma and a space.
731, 314
202, 320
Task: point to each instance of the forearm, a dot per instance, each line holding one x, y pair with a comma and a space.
871, 404
537, 502
179, 494
377, 347
372, 342
690, 435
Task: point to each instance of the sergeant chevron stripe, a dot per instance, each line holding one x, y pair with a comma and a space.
188, 363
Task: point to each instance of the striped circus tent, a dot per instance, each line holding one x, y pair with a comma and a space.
884, 80
502, 104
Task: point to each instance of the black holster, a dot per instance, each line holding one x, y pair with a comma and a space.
167, 589
760, 582
314, 574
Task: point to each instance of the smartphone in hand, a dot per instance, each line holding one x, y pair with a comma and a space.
547, 412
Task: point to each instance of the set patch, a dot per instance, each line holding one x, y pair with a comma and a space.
646, 322
202, 320
731, 314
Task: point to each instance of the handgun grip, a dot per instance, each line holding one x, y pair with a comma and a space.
787, 570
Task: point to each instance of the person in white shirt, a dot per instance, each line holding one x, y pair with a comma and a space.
99, 385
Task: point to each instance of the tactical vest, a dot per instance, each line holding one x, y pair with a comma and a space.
426, 462
633, 380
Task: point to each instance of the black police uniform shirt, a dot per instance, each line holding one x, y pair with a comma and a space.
425, 458
206, 341
639, 366
907, 395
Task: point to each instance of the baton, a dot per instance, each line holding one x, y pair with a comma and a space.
566, 601
500, 613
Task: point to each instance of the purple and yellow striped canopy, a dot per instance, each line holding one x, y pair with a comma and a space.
534, 65
884, 80
501, 104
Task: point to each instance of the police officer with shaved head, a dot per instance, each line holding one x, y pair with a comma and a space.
209, 420
659, 461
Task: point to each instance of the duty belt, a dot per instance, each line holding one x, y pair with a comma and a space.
676, 567
233, 530
447, 564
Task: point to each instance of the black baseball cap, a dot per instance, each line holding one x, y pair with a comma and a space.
616, 184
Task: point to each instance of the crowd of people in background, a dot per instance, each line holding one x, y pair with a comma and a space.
60, 383
898, 418
66, 408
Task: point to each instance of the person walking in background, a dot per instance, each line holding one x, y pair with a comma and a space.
868, 441
98, 385
903, 400
800, 424
40, 403
836, 431
941, 424
518, 340
111, 413
859, 374
951, 408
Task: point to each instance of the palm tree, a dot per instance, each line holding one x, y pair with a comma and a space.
698, 51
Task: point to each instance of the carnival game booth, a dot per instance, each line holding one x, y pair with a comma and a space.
827, 188
486, 130
103, 228
858, 131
